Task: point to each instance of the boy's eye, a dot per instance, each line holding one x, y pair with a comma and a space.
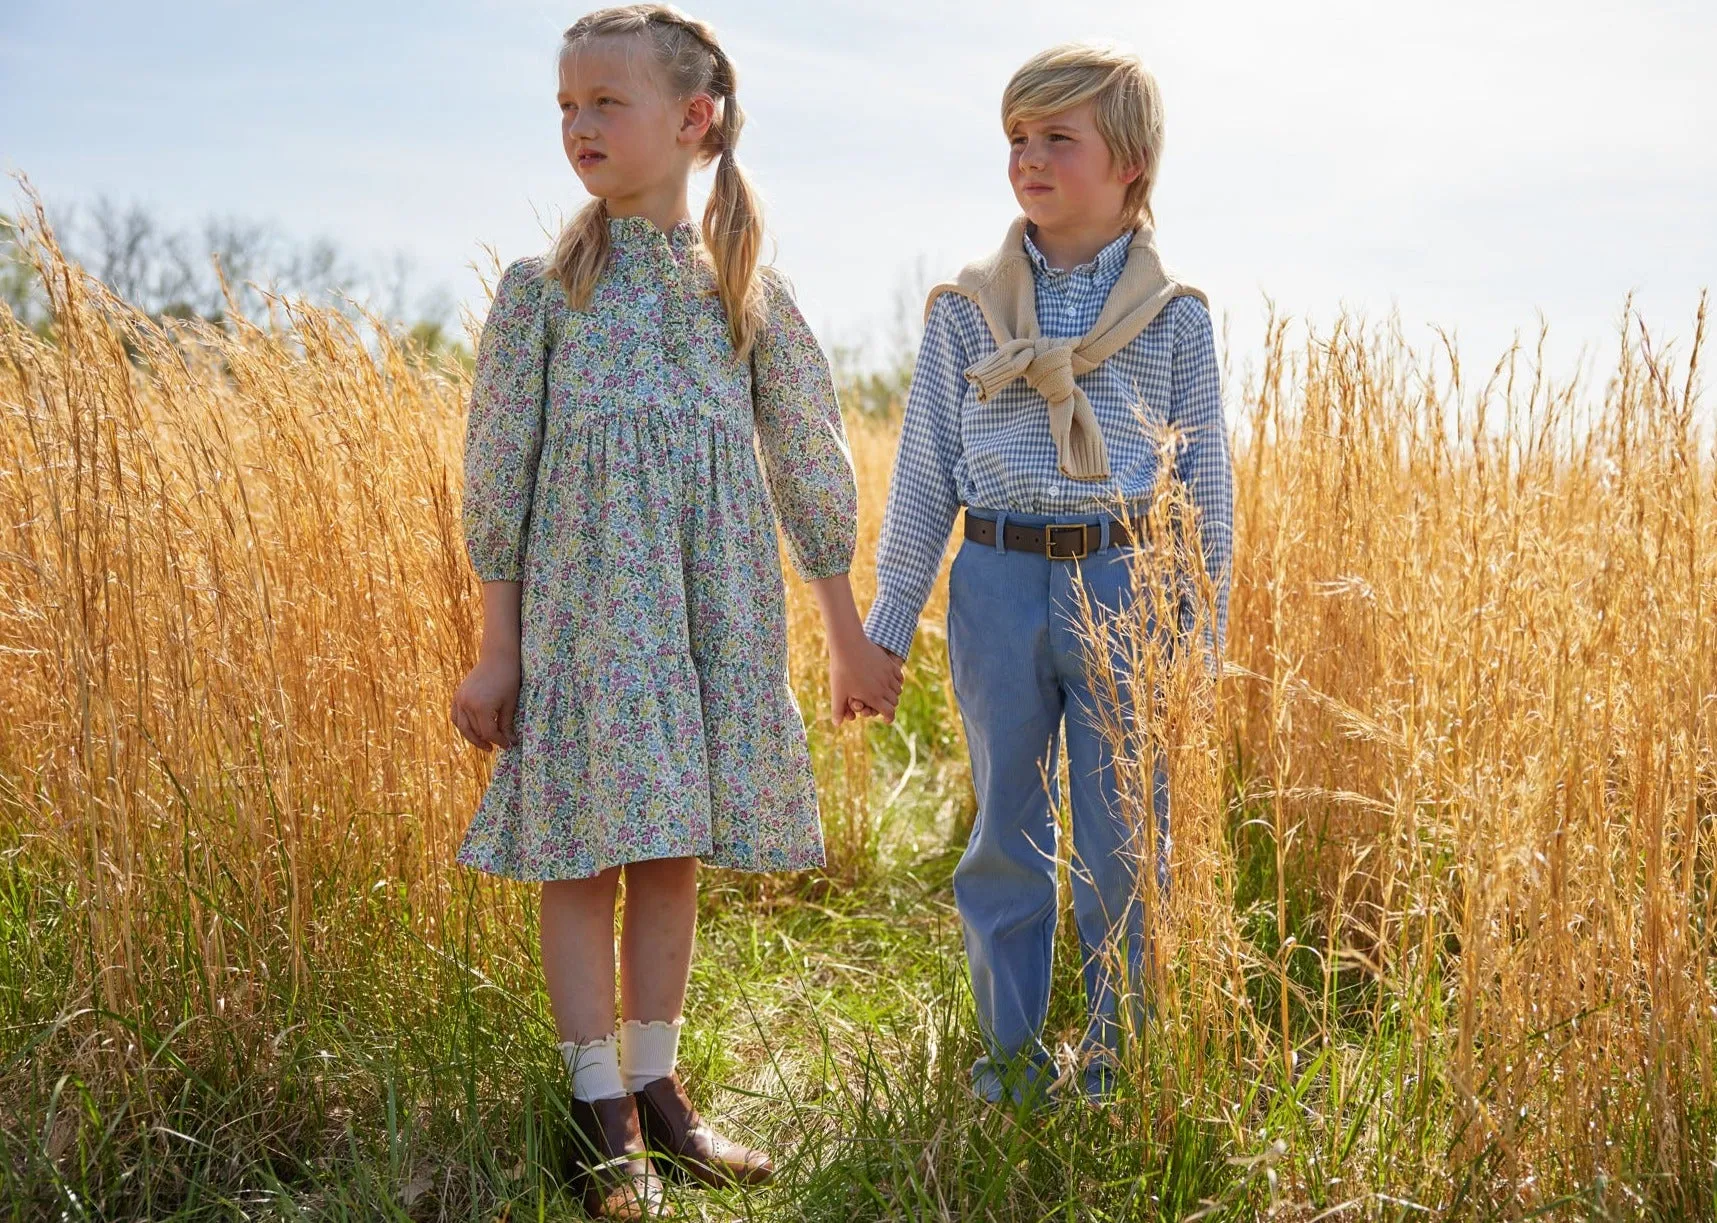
1057, 136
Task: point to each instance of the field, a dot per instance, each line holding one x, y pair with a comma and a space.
1440, 937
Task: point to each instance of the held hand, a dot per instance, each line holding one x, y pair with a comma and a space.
484, 705
859, 708
864, 679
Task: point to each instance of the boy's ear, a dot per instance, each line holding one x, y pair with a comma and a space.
1131, 173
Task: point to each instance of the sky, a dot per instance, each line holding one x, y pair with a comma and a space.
1474, 165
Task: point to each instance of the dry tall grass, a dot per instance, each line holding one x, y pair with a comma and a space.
1467, 726
1444, 856
1477, 611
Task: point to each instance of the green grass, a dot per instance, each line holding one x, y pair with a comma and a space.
406, 1069
410, 1072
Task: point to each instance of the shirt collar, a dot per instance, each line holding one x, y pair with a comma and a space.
1107, 262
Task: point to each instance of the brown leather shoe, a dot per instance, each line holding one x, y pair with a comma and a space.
610, 1165
672, 1127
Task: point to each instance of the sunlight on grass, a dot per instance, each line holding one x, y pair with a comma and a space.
1439, 935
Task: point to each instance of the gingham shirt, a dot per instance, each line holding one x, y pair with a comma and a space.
999, 456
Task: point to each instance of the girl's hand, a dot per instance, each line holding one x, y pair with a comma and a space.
864, 678
862, 675
486, 701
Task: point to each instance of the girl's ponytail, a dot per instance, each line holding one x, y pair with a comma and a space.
733, 221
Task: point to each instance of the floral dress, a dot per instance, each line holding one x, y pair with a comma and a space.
611, 467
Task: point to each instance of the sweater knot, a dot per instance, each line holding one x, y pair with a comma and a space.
1045, 364
1003, 289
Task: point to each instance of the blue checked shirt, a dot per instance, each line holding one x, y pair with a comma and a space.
999, 456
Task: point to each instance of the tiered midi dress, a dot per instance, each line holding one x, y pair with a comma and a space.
612, 468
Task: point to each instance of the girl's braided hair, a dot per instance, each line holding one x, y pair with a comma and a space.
692, 61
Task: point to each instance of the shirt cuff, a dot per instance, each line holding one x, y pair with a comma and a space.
891, 626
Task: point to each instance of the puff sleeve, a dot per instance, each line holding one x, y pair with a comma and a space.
504, 428
807, 462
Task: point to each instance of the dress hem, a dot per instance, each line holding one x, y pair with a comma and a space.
723, 860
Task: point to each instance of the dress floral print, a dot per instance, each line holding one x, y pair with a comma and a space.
611, 467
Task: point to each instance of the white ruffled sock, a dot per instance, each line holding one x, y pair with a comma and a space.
648, 1051
595, 1068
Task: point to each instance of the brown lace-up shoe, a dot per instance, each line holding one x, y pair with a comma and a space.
672, 1127
610, 1166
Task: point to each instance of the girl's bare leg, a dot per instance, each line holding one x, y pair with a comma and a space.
656, 939
578, 954
655, 959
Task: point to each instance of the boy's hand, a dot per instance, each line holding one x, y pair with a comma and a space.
486, 701
864, 679
859, 708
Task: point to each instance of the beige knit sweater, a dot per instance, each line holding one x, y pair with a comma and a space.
1003, 287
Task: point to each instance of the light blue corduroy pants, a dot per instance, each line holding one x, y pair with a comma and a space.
1020, 671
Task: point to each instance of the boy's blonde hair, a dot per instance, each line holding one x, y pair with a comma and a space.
691, 60
1129, 107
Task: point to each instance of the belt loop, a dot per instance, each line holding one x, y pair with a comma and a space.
1103, 540
1001, 532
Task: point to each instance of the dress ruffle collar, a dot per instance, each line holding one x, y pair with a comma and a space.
640, 233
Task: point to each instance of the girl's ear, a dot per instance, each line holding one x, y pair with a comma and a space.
1130, 173
696, 120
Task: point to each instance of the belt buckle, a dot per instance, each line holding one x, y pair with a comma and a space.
1084, 541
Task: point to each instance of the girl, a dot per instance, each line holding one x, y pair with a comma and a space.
633, 665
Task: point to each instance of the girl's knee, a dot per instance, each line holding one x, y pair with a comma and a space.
674, 873
589, 890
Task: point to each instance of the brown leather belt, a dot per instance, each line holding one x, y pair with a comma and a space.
1059, 541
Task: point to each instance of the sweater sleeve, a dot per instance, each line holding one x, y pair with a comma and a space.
1202, 461
504, 428
922, 496
807, 462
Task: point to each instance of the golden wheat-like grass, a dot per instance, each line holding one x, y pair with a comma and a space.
1469, 703
1468, 712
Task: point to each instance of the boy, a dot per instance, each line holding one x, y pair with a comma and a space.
1048, 375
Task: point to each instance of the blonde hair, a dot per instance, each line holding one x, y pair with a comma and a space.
691, 61
1129, 107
